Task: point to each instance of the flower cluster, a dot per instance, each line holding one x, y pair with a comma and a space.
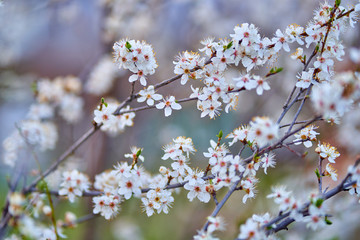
178, 151
17, 203
326, 151
101, 77
333, 99
73, 184
189, 65
332, 95
38, 129
108, 204
29, 213
263, 131
104, 116
252, 228
239, 134
215, 224
157, 199
315, 215
136, 56
63, 93
306, 136
130, 180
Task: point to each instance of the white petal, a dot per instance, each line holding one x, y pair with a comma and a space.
150, 102
133, 78
168, 111
143, 81
175, 106
160, 105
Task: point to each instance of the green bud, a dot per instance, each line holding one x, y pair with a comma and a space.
103, 102
317, 173
42, 185
279, 70
327, 221
337, 3
138, 153
228, 46
319, 202
220, 134
128, 45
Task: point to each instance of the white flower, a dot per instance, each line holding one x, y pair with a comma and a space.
261, 85
327, 151
316, 216
305, 79
108, 205
215, 152
248, 185
297, 54
263, 130
105, 114
101, 77
130, 185
268, 161
136, 56
306, 135
17, 204
244, 80
279, 194
251, 230
331, 171
324, 62
73, 184
168, 104
239, 134
185, 65
197, 189
149, 96
280, 41
215, 224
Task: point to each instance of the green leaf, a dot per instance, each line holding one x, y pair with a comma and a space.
103, 102
42, 185
128, 45
327, 221
319, 202
276, 70
138, 153
220, 135
337, 3
228, 46
279, 70
317, 173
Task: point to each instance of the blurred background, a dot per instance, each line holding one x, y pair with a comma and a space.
47, 39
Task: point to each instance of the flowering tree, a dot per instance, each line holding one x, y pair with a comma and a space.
233, 159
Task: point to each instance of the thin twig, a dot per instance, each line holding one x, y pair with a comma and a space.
320, 174
80, 220
299, 109
67, 153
